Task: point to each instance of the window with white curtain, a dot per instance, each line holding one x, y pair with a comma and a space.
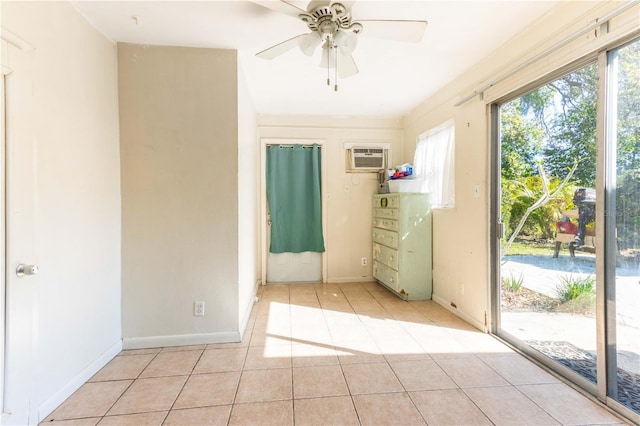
433, 164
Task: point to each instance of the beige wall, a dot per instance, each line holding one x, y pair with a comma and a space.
248, 202
71, 135
347, 195
461, 257
179, 159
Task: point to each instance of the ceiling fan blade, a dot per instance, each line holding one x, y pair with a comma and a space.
346, 66
348, 4
407, 31
280, 48
281, 6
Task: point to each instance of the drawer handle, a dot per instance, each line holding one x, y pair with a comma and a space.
390, 258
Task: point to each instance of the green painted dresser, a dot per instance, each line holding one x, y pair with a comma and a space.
402, 244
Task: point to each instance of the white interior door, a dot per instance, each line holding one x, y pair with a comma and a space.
306, 267
19, 207
293, 267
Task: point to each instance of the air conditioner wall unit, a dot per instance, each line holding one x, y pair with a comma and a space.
367, 158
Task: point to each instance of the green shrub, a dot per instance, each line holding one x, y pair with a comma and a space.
583, 304
570, 287
512, 283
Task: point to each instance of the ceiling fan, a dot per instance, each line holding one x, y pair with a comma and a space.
333, 30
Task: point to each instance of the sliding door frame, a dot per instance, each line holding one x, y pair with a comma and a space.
606, 387
606, 294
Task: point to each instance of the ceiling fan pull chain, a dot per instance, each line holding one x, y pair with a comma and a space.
328, 71
335, 73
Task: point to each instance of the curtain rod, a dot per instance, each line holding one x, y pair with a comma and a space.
291, 146
598, 22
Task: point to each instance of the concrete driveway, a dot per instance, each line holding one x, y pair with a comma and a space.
543, 273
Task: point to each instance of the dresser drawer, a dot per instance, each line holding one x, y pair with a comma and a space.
385, 274
384, 237
390, 224
387, 201
385, 255
386, 213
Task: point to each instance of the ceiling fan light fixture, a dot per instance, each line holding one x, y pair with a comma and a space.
309, 43
346, 42
328, 59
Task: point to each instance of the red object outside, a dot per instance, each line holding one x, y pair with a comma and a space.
566, 228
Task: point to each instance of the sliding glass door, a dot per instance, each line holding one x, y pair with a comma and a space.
548, 258
567, 204
623, 225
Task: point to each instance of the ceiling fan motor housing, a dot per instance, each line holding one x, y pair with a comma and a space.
329, 18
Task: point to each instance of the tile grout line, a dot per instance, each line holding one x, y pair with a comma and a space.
184, 384
129, 387
344, 377
478, 407
536, 404
406, 392
244, 362
293, 396
459, 388
166, 416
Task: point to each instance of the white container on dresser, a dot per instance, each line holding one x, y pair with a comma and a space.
402, 244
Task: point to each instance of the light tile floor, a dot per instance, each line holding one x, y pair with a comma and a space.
333, 354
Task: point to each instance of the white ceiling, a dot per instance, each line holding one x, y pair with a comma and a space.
394, 77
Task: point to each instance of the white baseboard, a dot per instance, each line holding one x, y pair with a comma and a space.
248, 310
194, 339
457, 312
368, 279
180, 340
59, 397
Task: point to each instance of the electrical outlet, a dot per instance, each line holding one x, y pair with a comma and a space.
198, 308
364, 261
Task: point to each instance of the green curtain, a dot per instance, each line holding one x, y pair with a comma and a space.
294, 197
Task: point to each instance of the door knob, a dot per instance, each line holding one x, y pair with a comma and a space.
23, 270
